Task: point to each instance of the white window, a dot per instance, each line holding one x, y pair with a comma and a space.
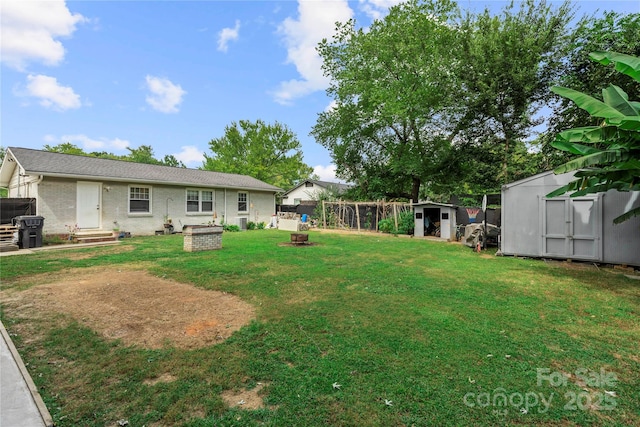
200, 201
139, 199
207, 201
242, 202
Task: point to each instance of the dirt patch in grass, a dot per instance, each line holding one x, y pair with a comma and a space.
164, 378
137, 307
245, 399
104, 250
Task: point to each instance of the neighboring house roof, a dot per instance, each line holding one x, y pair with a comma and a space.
335, 187
48, 163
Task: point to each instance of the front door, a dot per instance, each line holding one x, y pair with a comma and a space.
88, 204
572, 228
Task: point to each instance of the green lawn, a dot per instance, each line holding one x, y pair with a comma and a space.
415, 332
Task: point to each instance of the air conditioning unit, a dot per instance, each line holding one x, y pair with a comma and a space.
242, 223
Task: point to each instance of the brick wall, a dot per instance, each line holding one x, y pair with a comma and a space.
202, 238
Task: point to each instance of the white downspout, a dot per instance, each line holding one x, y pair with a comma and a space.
37, 189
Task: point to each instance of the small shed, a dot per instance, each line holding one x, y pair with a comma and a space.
433, 218
579, 228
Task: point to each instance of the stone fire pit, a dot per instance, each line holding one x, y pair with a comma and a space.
299, 238
202, 237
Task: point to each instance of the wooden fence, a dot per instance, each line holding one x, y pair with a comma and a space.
361, 215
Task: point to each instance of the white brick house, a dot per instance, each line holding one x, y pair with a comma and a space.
103, 194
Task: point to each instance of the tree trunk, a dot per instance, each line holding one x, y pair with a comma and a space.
415, 190
505, 162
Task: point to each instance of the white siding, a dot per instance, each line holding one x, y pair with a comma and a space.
303, 193
57, 204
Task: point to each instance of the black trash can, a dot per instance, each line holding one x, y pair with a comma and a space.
29, 231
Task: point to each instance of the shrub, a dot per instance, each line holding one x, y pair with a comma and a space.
231, 227
261, 225
386, 226
406, 223
251, 225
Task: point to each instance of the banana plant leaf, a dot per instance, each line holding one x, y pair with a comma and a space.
588, 134
607, 174
618, 99
627, 215
626, 123
626, 64
574, 148
607, 156
588, 103
597, 188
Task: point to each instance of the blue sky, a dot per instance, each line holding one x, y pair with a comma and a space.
106, 75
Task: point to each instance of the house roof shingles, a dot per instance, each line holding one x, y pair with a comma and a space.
75, 166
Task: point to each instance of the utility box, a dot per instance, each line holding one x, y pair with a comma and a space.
29, 231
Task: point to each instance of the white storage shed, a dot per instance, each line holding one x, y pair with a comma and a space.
579, 228
431, 216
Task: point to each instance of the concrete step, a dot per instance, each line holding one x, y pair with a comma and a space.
93, 236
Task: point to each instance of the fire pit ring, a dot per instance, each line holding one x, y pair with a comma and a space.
299, 238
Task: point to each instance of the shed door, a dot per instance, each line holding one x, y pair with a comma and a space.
445, 223
88, 204
571, 228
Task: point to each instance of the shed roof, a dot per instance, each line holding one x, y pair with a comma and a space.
46, 163
427, 203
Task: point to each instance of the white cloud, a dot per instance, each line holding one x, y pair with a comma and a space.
118, 144
90, 144
377, 9
165, 96
226, 35
331, 106
316, 21
30, 29
190, 154
51, 94
326, 173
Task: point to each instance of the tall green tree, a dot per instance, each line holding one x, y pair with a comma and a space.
387, 131
613, 32
610, 151
269, 152
66, 148
505, 67
142, 154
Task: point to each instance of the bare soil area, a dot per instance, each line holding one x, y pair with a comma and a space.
136, 307
245, 399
